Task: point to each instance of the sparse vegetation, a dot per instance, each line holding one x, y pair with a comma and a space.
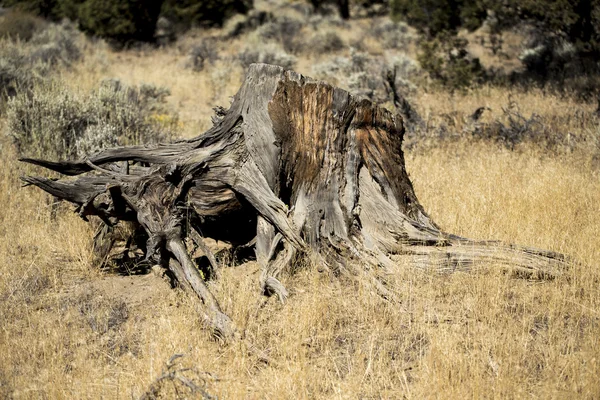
524, 169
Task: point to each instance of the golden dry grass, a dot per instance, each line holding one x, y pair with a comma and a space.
71, 331
475, 335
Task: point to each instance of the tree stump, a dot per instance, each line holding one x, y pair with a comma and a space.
296, 166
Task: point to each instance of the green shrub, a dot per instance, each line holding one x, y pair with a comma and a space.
43, 8
447, 61
125, 21
53, 122
431, 17
188, 13
577, 22
343, 6
119, 21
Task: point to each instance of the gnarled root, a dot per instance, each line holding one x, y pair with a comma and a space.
186, 272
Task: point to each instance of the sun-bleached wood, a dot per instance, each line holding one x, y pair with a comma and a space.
298, 166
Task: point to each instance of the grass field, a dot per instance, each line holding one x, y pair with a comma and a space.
70, 330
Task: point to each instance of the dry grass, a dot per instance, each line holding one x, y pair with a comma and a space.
71, 331
476, 335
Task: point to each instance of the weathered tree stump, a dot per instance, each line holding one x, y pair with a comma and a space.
298, 166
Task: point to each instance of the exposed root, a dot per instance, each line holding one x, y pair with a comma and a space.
469, 255
198, 241
185, 271
306, 168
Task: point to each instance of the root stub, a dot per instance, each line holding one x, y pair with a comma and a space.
296, 166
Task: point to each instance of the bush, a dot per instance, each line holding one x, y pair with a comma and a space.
240, 24
447, 61
16, 71
188, 13
430, 17
266, 53
393, 35
119, 21
43, 8
202, 53
22, 65
365, 75
567, 37
513, 128
125, 21
406, 70
550, 56
343, 6
116, 20
52, 122
57, 44
286, 31
19, 25
329, 42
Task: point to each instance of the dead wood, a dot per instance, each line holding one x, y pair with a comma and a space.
299, 166
177, 377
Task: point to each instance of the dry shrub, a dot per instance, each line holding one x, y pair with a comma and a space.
102, 315
365, 75
240, 24
177, 381
328, 42
285, 31
16, 71
553, 133
57, 44
393, 35
269, 53
55, 122
15, 24
514, 128
514, 123
22, 65
28, 287
203, 53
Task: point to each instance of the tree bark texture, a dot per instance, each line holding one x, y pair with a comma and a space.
298, 166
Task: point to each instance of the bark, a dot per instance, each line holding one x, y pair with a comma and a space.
298, 166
